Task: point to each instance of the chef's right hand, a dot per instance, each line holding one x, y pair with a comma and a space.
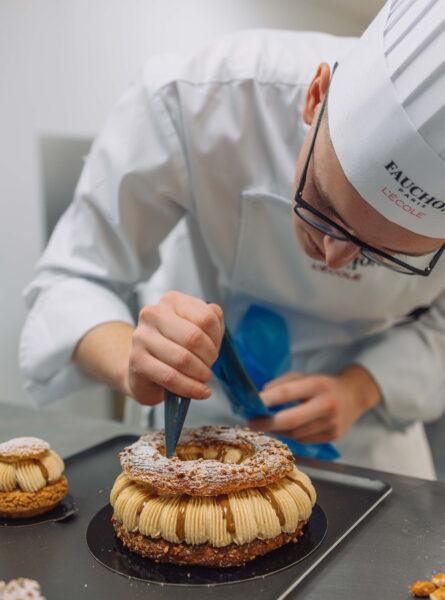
174, 345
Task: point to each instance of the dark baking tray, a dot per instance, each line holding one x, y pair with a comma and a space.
56, 554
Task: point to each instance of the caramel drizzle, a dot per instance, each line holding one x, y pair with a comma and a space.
148, 496
221, 453
271, 499
302, 486
224, 504
43, 470
180, 518
222, 501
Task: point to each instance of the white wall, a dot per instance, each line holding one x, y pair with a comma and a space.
63, 63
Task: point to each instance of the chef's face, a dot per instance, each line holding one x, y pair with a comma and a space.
327, 189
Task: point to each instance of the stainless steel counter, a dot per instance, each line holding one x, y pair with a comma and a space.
401, 541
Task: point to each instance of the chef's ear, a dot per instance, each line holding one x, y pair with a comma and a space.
316, 92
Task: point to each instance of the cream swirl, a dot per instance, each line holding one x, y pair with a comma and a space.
7, 477
238, 517
31, 475
54, 466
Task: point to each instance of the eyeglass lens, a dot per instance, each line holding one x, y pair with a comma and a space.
420, 262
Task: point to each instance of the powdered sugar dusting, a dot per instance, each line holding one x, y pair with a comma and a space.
268, 460
23, 447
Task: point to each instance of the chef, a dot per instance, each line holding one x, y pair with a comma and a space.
313, 190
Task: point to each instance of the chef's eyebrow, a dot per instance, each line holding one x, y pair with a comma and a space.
326, 205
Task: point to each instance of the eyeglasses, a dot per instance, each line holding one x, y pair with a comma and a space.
316, 219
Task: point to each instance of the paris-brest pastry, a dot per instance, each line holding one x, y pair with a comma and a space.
20, 589
227, 496
31, 478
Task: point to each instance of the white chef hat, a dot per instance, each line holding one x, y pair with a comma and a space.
387, 115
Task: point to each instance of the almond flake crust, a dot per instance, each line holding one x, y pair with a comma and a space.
23, 505
267, 460
204, 555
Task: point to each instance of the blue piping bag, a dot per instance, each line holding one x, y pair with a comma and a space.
260, 352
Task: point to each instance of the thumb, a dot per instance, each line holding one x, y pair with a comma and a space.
220, 315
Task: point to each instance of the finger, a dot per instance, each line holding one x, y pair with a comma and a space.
301, 388
293, 376
206, 317
178, 357
191, 337
290, 418
184, 333
303, 432
145, 392
323, 437
219, 314
148, 370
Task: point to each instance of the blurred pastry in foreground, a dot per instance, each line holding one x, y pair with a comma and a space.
422, 589
31, 478
433, 589
228, 496
20, 589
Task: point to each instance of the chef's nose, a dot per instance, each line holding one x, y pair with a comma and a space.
338, 253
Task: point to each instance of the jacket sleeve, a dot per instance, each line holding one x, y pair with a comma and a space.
408, 363
133, 189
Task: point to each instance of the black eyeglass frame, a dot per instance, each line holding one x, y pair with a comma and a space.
299, 201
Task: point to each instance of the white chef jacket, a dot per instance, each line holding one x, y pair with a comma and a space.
214, 139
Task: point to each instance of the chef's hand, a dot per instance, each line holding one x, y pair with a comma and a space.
329, 404
173, 346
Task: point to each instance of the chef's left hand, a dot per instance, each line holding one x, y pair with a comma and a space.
329, 404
